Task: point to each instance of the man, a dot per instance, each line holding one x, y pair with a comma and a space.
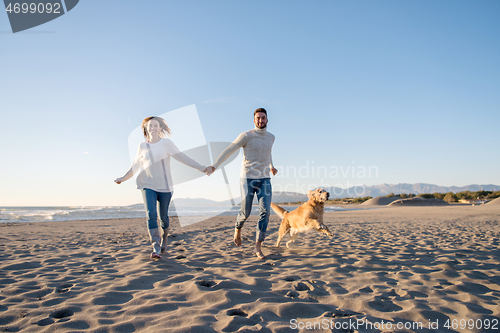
255, 180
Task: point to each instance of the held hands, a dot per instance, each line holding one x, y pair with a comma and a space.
118, 180
209, 170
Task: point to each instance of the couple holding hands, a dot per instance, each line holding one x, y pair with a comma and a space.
155, 181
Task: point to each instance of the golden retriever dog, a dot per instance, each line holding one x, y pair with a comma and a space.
307, 217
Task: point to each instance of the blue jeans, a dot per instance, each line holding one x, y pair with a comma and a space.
150, 198
262, 188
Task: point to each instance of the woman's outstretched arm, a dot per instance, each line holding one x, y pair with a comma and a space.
173, 151
127, 176
184, 159
136, 166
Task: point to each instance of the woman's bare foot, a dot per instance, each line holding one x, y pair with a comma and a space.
237, 237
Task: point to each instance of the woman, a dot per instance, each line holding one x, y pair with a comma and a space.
154, 179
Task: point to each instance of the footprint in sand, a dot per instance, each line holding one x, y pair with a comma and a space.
291, 278
62, 313
64, 288
236, 312
445, 283
302, 287
339, 314
205, 283
45, 322
384, 305
112, 298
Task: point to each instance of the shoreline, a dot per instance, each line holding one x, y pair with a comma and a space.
141, 212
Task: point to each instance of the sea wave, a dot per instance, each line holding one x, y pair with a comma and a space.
75, 213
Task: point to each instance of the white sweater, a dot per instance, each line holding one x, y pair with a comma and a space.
153, 159
257, 159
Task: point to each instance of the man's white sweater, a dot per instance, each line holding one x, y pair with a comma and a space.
257, 160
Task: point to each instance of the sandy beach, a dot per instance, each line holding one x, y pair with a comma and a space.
398, 266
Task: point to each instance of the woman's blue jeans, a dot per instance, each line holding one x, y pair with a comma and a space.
150, 198
262, 188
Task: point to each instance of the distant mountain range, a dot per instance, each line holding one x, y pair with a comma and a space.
354, 192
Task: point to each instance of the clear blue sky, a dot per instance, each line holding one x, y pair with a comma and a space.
409, 87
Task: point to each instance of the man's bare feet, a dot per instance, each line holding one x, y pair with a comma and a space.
237, 237
258, 250
259, 254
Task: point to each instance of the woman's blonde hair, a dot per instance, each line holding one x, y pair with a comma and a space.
165, 130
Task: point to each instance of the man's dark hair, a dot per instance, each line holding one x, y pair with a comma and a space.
260, 110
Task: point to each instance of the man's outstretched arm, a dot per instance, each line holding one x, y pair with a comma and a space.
240, 142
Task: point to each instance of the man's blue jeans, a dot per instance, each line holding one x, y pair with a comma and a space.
150, 198
262, 188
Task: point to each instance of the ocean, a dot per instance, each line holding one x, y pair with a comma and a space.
73, 213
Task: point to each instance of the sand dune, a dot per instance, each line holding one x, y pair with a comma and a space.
380, 201
419, 201
398, 265
494, 202
398, 201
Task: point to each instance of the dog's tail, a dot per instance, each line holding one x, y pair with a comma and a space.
278, 210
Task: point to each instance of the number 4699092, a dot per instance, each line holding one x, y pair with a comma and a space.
472, 324
34, 8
